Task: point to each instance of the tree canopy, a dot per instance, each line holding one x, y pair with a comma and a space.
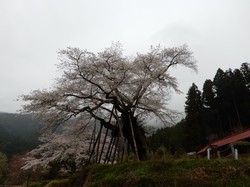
100, 85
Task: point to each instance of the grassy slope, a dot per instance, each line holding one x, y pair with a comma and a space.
161, 173
183, 172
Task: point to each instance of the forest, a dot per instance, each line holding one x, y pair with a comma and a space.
221, 108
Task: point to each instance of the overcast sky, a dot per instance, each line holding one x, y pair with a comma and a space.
32, 31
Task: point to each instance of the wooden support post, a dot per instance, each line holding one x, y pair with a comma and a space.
115, 150
109, 148
98, 145
218, 154
104, 142
94, 146
122, 138
208, 153
133, 137
236, 155
232, 149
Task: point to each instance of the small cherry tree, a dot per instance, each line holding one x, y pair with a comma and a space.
69, 150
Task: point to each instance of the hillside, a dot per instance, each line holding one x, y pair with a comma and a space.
18, 133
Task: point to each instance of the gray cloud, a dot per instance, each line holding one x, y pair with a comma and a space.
176, 34
32, 31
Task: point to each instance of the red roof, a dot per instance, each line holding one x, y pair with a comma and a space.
227, 140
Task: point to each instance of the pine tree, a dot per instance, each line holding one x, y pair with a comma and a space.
232, 99
196, 134
245, 70
209, 119
241, 98
193, 104
223, 96
208, 95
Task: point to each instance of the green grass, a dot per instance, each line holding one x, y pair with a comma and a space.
181, 172
74, 180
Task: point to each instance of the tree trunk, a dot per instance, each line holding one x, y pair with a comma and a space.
128, 121
139, 135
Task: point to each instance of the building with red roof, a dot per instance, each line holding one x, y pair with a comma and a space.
242, 135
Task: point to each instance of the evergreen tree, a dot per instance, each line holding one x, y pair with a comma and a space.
232, 99
223, 97
208, 95
241, 98
196, 135
209, 119
245, 70
173, 138
193, 104
221, 109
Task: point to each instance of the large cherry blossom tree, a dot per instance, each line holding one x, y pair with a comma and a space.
100, 85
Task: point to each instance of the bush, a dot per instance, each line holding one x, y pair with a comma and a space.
3, 167
163, 153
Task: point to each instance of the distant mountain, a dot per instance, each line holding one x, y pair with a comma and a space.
18, 133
